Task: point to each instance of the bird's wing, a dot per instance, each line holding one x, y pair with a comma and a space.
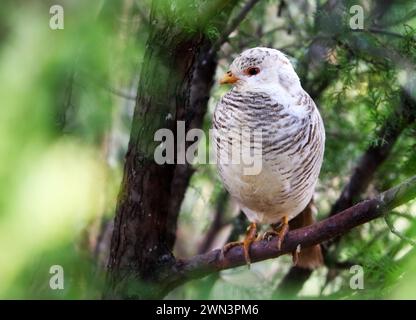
296, 141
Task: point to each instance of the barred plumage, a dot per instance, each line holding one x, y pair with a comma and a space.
269, 97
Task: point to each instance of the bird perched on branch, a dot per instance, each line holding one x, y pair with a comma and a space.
267, 96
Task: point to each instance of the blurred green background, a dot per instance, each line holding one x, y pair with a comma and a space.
67, 99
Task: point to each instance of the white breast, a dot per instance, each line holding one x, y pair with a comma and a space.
292, 151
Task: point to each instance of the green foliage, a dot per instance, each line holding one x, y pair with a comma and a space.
67, 99
55, 181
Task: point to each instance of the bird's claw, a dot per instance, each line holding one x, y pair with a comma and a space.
249, 239
279, 232
228, 246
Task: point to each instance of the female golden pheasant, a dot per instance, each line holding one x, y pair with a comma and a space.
267, 96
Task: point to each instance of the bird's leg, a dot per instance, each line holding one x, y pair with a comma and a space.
279, 230
251, 235
284, 228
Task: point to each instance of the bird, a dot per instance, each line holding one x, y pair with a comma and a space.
267, 95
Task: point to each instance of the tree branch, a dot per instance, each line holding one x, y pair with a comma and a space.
213, 261
234, 24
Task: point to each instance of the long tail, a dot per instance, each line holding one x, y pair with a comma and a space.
311, 257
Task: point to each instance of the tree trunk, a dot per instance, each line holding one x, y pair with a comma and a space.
175, 82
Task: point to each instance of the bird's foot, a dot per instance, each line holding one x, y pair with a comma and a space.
230, 245
280, 231
251, 236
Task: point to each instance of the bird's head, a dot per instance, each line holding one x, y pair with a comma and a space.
261, 68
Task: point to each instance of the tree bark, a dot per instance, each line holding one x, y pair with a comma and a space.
175, 82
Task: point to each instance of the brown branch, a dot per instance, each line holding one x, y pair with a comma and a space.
213, 261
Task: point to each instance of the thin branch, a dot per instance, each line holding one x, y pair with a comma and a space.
233, 25
381, 31
397, 233
385, 32
217, 223
407, 216
120, 93
410, 15
273, 30
213, 261
100, 84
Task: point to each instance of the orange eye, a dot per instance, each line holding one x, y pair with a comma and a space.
252, 71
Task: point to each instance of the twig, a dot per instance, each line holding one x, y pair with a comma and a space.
397, 233
108, 88
217, 223
411, 14
120, 93
385, 32
381, 31
407, 216
233, 25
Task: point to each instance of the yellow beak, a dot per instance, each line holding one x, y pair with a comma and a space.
228, 78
